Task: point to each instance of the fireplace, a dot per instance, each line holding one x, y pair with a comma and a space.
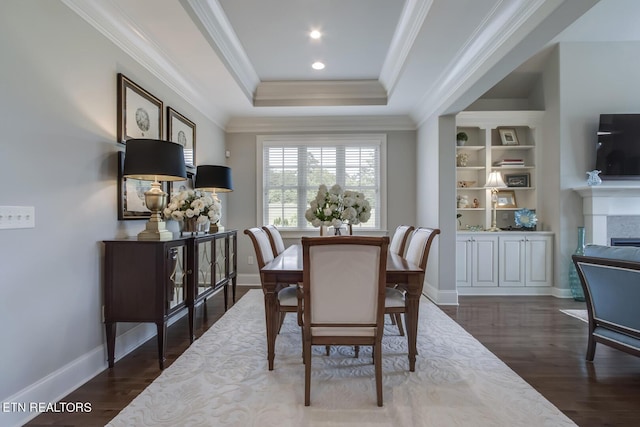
611, 210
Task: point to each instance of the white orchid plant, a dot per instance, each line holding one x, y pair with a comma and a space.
194, 204
333, 207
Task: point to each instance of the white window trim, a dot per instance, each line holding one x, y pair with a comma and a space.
327, 139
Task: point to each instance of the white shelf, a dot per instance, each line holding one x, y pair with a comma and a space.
471, 147
512, 147
470, 168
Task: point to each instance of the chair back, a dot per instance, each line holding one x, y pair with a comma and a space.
277, 244
419, 246
399, 239
261, 244
344, 285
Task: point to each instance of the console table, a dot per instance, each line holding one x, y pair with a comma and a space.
152, 281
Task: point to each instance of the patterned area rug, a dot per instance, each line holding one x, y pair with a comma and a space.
578, 314
223, 380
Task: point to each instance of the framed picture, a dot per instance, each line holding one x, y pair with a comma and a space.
507, 199
177, 186
139, 112
517, 180
508, 136
131, 203
183, 131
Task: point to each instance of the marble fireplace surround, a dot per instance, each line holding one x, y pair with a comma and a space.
611, 209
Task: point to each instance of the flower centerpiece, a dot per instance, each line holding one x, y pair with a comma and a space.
193, 209
334, 207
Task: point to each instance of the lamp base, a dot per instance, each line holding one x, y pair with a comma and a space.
156, 230
494, 228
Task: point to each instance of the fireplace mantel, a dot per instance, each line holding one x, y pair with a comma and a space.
607, 199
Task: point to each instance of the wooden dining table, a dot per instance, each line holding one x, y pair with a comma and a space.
287, 268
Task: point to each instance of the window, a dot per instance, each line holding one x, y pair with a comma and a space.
291, 167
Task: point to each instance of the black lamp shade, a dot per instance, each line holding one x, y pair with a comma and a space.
154, 159
214, 178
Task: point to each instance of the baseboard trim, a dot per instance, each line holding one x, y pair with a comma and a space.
440, 297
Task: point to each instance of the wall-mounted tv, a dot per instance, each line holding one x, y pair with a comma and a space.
618, 147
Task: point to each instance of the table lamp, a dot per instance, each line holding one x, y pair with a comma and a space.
494, 182
215, 179
154, 160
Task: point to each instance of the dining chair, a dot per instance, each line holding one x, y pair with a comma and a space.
344, 309
277, 244
397, 246
418, 254
288, 295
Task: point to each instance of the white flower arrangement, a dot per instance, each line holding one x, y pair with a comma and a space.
333, 207
194, 204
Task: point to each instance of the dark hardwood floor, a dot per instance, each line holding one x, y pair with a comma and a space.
530, 334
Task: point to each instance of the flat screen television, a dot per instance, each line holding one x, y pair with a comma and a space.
618, 147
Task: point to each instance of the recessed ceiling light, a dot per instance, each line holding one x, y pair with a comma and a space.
317, 65
315, 34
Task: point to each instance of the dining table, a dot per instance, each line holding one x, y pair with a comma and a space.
287, 267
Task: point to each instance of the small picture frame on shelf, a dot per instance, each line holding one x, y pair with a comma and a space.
507, 199
517, 180
508, 136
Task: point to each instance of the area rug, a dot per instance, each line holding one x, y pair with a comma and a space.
578, 314
222, 380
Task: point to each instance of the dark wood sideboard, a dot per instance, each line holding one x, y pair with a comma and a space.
152, 281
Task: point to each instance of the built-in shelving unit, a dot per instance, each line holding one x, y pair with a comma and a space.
484, 150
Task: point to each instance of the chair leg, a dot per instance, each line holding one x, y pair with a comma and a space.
591, 349
377, 358
393, 318
281, 316
356, 351
398, 319
307, 372
327, 349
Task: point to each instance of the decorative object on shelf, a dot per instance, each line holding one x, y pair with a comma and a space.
139, 112
334, 206
462, 159
574, 281
508, 136
154, 160
517, 180
476, 203
507, 199
594, 178
465, 184
458, 216
194, 210
214, 179
476, 228
463, 201
494, 182
461, 138
182, 131
526, 218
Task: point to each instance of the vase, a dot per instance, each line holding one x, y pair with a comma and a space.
191, 225
574, 281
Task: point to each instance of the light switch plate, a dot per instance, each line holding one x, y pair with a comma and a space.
17, 217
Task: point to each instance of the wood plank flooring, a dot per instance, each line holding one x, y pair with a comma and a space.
530, 334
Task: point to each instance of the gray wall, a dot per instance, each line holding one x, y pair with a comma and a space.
401, 188
58, 121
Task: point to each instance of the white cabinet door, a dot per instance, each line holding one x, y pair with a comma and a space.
539, 251
512, 260
476, 260
525, 260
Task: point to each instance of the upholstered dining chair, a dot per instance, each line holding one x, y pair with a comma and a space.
397, 246
346, 309
277, 244
288, 296
417, 253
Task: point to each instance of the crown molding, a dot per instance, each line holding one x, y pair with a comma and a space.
320, 93
494, 32
225, 42
413, 15
319, 124
111, 21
